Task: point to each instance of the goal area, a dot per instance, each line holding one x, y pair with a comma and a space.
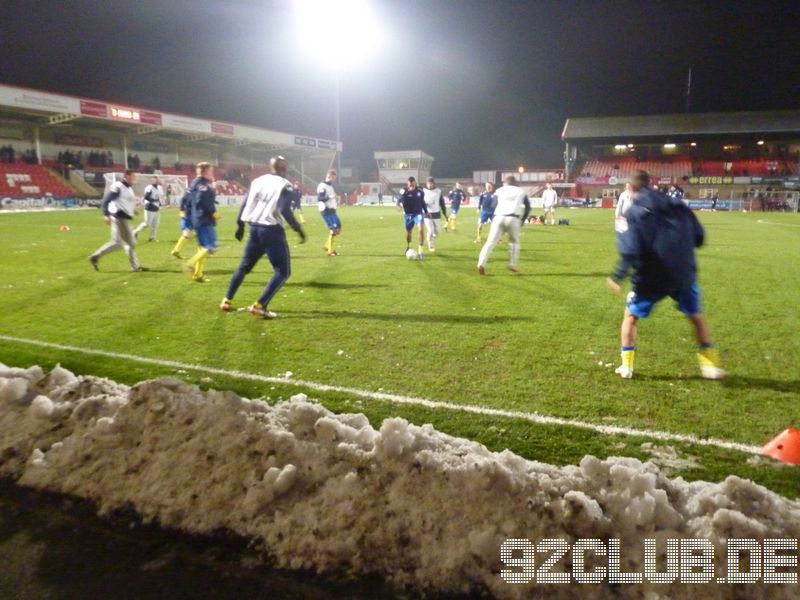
172, 186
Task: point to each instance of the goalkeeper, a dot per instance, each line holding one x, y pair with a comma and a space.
267, 205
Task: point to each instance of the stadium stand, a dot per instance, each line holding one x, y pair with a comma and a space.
623, 167
21, 179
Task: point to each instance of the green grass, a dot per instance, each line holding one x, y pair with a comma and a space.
372, 320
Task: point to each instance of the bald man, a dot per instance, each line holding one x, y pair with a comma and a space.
267, 206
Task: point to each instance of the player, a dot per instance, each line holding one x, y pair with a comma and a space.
267, 206
152, 210
658, 244
186, 224
118, 209
511, 201
456, 196
297, 203
434, 201
550, 201
415, 210
486, 206
624, 201
204, 219
326, 201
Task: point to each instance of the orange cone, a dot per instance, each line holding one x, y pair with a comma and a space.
784, 447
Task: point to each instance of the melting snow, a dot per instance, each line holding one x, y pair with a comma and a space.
324, 491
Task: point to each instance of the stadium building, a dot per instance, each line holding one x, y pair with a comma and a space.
59, 150
748, 160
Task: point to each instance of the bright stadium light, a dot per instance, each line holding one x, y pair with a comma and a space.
760, 142
337, 33
669, 146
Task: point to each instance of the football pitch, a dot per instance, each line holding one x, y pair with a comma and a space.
370, 324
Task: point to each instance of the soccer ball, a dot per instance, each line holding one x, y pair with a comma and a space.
411, 255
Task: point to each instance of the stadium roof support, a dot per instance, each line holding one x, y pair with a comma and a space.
677, 125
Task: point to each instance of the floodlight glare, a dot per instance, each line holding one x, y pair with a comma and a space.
338, 34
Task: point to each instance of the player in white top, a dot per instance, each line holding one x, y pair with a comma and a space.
624, 202
550, 200
326, 200
512, 209
152, 210
266, 208
119, 207
434, 200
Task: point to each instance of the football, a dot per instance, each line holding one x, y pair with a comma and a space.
410, 254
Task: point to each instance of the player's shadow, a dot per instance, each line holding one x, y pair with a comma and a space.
409, 318
592, 275
741, 382
738, 382
333, 286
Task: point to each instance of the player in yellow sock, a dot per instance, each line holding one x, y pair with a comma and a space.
487, 202
457, 196
186, 225
327, 203
204, 218
710, 363
667, 269
195, 264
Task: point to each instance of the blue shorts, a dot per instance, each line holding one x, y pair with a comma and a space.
412, 220
486, 216
186, 224
207, 237
332, 220
689, 301
454, 208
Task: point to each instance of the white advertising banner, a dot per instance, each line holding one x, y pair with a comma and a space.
22, 98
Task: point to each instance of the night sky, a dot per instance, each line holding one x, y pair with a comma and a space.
480, 84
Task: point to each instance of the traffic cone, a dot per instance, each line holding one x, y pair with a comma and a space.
784, 447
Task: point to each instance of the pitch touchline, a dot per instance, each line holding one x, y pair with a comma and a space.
398, 399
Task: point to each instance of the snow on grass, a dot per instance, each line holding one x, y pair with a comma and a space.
328, 492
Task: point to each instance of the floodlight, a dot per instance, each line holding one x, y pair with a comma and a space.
337, 34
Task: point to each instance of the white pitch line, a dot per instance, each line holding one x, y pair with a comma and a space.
533, 417
763, 222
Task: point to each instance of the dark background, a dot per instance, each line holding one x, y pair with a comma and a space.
479, 84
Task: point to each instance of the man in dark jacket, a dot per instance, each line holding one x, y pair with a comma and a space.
204, 219
657, 241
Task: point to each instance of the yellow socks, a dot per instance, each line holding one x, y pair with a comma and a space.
628, 355
197, 262
179, 244
708, 356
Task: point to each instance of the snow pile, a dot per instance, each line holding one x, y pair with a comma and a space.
328, 492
